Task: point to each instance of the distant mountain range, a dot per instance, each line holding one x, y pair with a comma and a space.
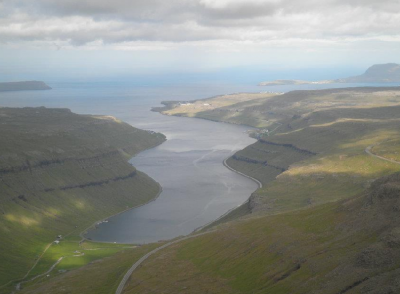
23, 86
378, 73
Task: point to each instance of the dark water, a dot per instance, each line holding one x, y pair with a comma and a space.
197, 188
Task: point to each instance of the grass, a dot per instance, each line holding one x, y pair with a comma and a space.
196, 108
311, 228
389, 149
291, 253
99, 276
323, 249
60, 172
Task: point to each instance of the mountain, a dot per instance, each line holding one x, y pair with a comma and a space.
378, 73
325, 221
59, 173
23, 86
351, 246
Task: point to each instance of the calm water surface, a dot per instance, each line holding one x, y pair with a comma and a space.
197, 188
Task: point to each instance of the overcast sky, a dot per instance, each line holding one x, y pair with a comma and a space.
198, 34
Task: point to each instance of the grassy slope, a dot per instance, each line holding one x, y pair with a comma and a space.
319, 146
99, 277
59, 173
344, 247
328, 128
315, 249
215, 105
265, 110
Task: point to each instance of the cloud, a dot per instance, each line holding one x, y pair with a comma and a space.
122, 22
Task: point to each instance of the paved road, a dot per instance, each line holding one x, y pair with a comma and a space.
242, 174
369, 152
143, 258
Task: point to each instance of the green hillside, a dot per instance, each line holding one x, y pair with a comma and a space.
59, 173
311, 144
325, 220
350, 246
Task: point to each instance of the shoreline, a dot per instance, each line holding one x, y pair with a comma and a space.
260, 185
82, 234
160, 191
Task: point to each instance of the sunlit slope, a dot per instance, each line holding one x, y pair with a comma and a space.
271, 111
315, 143
318, 163
59, 173
316, 226
98, 277
349, 247
212, 108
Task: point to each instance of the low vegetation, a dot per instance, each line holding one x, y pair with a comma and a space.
349, 247
326, 219
100, 276
60, 172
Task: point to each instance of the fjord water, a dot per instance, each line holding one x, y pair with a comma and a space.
197, 188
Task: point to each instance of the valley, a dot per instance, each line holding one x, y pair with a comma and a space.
324, 219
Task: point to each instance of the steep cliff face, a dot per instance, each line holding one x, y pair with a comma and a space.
60, 172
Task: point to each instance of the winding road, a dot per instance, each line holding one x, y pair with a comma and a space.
369, 152
18, 287
143, 258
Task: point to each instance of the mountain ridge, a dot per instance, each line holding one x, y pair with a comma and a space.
377, 73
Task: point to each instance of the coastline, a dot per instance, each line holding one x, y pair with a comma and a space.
234, 208
82, 234
260, 185
166, 105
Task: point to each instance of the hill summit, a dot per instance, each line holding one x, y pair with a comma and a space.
378, 73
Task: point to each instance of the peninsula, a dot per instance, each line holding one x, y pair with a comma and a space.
23, 86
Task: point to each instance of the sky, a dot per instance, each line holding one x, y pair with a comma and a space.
100, 37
